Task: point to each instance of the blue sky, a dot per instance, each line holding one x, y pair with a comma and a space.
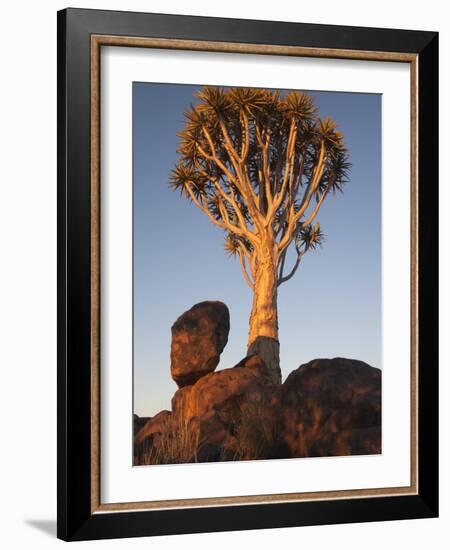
332, 307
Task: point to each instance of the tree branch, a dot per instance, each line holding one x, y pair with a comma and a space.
222, 224
300, 253
288, 174
264, 147
312, 187
246, 141
313, 182
241, 180
283, 260
230, 199
244, 267
317, 207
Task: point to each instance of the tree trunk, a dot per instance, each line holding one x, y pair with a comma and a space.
263, 334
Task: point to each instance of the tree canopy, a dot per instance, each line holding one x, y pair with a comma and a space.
259, 162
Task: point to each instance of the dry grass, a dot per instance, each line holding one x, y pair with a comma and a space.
256, 430
177, 443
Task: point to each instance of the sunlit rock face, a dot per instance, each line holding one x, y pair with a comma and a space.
224, 404
221, 391
199, 336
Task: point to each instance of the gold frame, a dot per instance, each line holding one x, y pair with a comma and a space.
97, 41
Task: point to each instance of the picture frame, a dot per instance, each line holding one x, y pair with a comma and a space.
81, 36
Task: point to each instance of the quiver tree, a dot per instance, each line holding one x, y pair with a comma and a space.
260, 164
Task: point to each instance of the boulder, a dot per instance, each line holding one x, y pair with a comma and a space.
155, 424
223, 391
324, 404
359, 441
138, 422
216, 441
199, 336
236, 410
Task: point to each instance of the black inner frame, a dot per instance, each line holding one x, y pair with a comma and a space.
75, 521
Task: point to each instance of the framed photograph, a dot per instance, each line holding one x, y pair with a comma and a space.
247, 254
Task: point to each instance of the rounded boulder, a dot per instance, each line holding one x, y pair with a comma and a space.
199, 336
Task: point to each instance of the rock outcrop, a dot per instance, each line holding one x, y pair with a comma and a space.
138, 422
199, 336
146, 439
222, 391
155, 424
328, 396
358, 441
224, 403
226, 415
327, 407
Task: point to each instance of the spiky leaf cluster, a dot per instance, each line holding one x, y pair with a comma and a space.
309, 237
